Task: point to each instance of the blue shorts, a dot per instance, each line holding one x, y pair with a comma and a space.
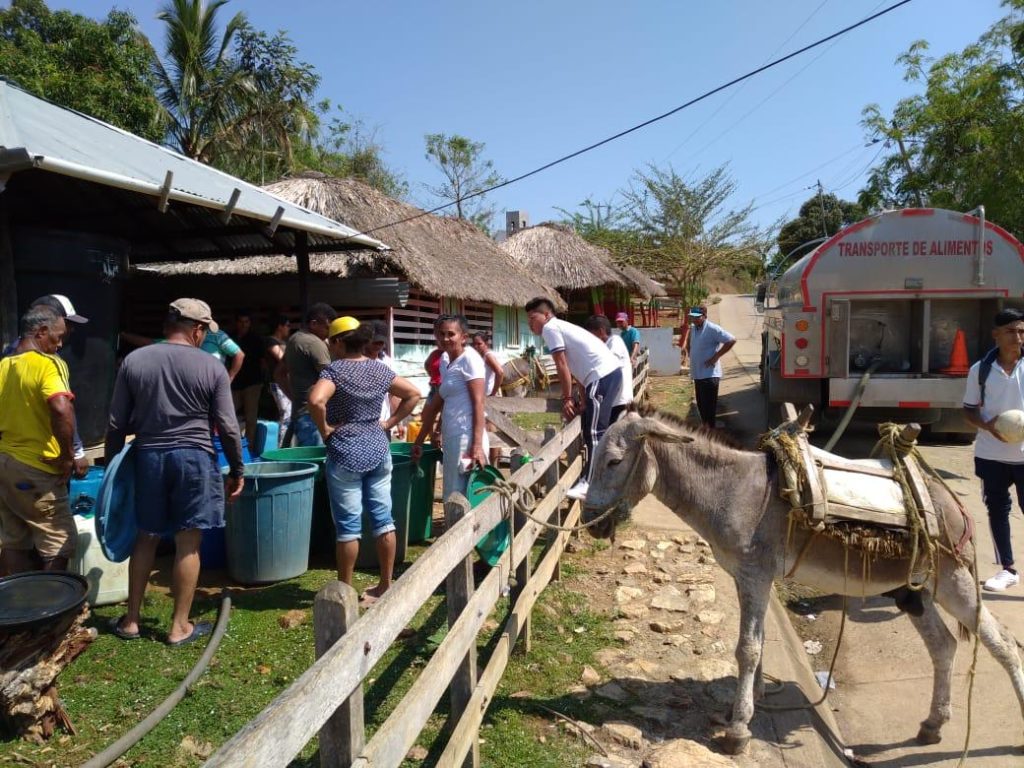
353, 493
177, 489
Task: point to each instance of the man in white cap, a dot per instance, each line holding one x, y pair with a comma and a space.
62, 306
168, 395
36, 422
708, 344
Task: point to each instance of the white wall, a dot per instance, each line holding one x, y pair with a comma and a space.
664, 354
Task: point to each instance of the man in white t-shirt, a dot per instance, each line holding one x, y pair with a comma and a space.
999, 464
377, 349
579, 355
601, 327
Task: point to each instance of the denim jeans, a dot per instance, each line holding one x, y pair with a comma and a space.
352, 493
306, 433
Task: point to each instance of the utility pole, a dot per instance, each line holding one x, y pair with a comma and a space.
898, 135
821, 204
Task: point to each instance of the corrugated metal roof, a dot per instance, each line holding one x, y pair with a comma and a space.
35, 134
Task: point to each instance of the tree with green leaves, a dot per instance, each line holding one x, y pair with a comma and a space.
821, 216
276, 113
201, 88
960, 142
684, 228
348, 150
100, 68
466, 174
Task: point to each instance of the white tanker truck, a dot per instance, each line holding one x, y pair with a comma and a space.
888, 314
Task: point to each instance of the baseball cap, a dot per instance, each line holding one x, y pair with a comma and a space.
696, 312
195, 310
342, 325
622, 316
62, 304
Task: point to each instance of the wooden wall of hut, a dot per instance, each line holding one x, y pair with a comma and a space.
148, 295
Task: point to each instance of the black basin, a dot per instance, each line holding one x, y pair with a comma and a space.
40, 600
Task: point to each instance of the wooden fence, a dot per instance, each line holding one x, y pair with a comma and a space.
327, 698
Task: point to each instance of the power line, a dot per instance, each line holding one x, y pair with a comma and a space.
651, 121
739, 90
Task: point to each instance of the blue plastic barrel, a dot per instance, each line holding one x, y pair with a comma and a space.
268, 435
222, 460
268, 526
83, 493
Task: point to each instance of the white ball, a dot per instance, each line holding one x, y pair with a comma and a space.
1010, 424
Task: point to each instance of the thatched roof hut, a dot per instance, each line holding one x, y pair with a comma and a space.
558, 256
442, 256
640, 282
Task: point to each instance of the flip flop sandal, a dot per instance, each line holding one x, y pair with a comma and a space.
199, 629
115, 629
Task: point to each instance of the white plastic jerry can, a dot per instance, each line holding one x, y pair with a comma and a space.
108, 581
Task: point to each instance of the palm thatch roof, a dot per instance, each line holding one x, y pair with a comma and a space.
441, 256
558, 256
640, 282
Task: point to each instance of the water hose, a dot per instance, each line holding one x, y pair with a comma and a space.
130, 739
858, 393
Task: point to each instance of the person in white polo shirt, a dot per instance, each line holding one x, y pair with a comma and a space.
579, 355
602, 329
995, 385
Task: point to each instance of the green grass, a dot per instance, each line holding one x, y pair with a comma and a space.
671, 393
114, 684
536, 421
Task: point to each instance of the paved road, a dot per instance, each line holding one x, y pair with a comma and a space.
883, 672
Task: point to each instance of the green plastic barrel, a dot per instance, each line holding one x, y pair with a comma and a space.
322, 536
401, 475
421, 504
267, 528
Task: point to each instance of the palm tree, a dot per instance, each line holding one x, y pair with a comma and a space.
202, 90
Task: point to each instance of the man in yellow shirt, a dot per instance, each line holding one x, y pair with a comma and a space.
37, 423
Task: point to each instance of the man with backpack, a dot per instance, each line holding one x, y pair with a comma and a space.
995, 384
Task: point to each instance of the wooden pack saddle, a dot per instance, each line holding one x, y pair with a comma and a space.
824, 488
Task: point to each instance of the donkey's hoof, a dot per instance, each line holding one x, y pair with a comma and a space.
733, 743
928, 735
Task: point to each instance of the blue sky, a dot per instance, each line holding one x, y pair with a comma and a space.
536, 80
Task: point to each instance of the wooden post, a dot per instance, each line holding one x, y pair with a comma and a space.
458, 588
335, 609
549, 481
302, 264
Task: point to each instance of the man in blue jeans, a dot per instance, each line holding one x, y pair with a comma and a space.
708, 344
305, 355
168, 395
999, 464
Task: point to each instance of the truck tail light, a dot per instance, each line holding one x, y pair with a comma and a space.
802, 360
801, 325
801, 343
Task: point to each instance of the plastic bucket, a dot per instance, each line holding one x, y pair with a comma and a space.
401, 475
322, 540
493, 543
268, 526
421, 502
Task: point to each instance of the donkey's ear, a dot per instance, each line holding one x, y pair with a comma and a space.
659, 432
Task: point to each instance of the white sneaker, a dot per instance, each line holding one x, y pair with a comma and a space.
578, 491
1001, 581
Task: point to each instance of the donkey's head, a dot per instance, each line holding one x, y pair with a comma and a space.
624, 469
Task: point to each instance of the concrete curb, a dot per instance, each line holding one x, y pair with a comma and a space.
808, 738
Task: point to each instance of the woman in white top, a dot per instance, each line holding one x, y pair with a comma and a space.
460, 400
494, 375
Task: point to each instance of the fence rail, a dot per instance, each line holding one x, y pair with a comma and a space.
330, 691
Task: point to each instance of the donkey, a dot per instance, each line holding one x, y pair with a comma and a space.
730, 497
